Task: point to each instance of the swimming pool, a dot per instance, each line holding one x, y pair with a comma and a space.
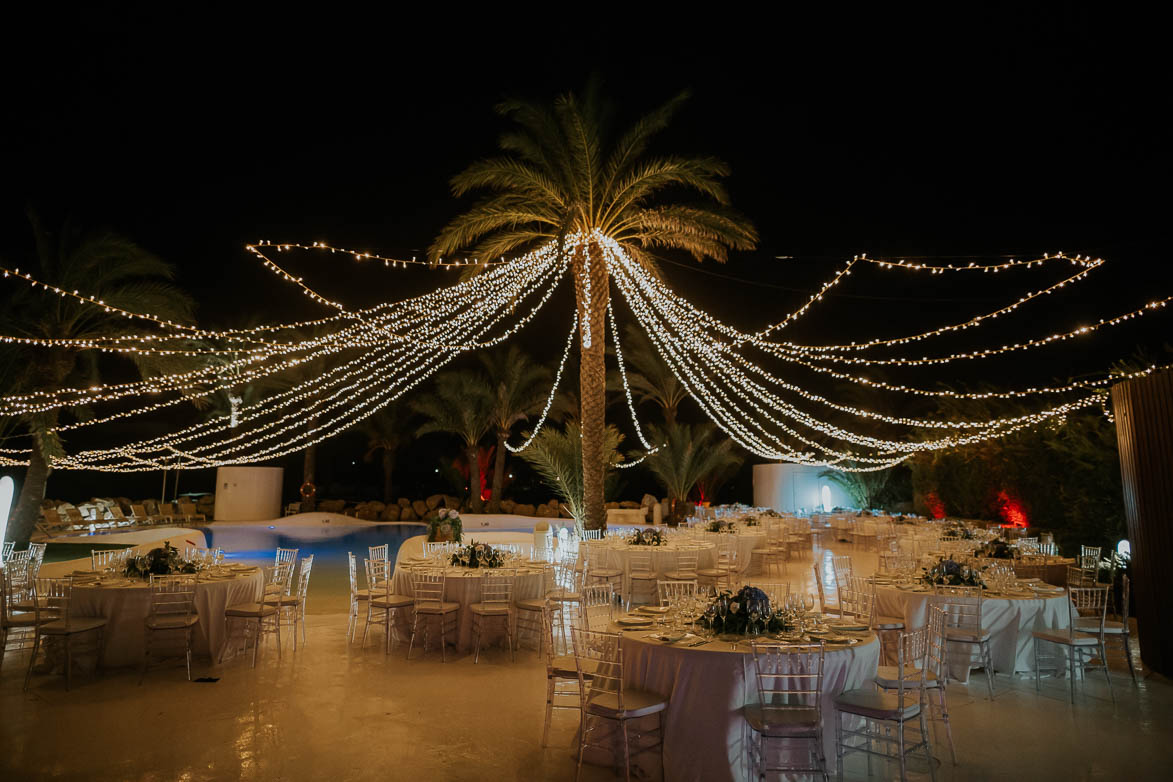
328, 540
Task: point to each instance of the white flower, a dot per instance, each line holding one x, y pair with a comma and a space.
733, 607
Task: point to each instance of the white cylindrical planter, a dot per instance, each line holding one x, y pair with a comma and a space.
788, 487
248, 493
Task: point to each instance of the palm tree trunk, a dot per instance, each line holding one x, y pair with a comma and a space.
498, 474
388, 467
309, 464
591, 289
474, 479
32, 492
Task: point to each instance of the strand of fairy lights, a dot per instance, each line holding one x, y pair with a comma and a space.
553, 391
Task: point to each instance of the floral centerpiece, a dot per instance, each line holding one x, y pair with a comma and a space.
445, 525
948, 572
647, 537
997, 549
161, 561
720, 526
743, 613
477, 555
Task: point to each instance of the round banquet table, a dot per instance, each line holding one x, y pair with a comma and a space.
617, 554
463, 585
1010, 621
705, 734
126, 606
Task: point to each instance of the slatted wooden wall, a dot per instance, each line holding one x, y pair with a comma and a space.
1144, 429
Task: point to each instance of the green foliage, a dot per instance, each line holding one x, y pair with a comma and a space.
689, 455
867, 490
1066, 475
557, 457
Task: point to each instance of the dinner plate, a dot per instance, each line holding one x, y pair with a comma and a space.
848, 626
672, 637
633, 621
653, 609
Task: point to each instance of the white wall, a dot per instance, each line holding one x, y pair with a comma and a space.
789, 487
248, 493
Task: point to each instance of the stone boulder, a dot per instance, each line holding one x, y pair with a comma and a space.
524, 510
629, 505
507, 506
420, 507
331, 506
376, 506
648, 501
564, 512
452, 502
546, 512
404, 502
435, 501
611, 505
407, 514
391, 513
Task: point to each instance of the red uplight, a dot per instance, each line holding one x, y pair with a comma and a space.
1011, 510
935, 505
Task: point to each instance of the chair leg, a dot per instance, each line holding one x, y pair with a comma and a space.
945, 718
924, 734
1107, 676
626, 753
988, 662
1036, 652
443, 639
68, 663
278, 619
839, 745
187, 649
476, 634
257, 641
550, 683
1071, 672
32, 659
1128, 656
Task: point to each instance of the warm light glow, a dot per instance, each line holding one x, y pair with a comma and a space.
7, 491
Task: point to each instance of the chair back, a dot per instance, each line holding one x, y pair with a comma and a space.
843, 573
936, 659
687, 561
1080, 576
639, 563
352, 567
104, 558
912, 653
598, 605
427, 588
285, 556
139, 513
554, 643
497, 589
592, 534
962, 606
1089, 557
378, 578
172, 597
281, 575
303, 577
859, 601
6, 551
668, 592
790, 676
187, 509
599, 660
51, 598
819, 587
1087, 603
777, 591
37, 553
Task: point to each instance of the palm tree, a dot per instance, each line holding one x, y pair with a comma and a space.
517, 390
557, 456
459, 405
114, 270
866, 489
687, 456
384, 431
649, 377
562, 172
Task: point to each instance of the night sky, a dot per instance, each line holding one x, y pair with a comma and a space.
976, 136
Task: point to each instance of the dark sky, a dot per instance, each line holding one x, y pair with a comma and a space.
981, 133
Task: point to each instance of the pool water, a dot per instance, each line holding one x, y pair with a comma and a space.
328, 542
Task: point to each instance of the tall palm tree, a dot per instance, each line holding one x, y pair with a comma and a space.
649, 377
517, 390
687, 456
459, 404
114, 270
384, 431
562, 171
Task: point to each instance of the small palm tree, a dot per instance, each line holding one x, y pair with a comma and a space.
557, 456
563, 171
517, 390
649, 377
866, 489
384, 432
114, 270
460, 405
688, 456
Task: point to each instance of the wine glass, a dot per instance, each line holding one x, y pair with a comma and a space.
722, 612
755, 613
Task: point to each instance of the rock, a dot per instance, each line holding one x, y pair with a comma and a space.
407, 514
404, 502
524, 510
331, 506
554, 503
391, 513
648, 501
546, 512
507, 506
434, 501
420, 507
630, 505
564, 512
451, 502
367, 513
611, 505
376, 506
352, 512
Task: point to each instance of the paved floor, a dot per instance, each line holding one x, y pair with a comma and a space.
333, 711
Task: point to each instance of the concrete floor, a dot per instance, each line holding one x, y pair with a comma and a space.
333, 711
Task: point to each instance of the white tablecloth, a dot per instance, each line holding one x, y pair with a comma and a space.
126, 610
1009, 620
463, 585
744, 541
705, 735
618, 555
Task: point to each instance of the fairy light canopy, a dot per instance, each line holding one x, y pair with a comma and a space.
744, 381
